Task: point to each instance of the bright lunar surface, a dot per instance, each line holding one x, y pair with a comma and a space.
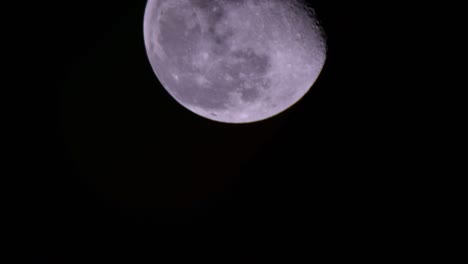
234, 61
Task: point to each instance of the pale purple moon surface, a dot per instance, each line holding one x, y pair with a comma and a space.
234, 61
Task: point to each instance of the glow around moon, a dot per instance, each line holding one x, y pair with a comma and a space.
234, 61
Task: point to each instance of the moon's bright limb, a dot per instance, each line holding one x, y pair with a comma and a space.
234, 61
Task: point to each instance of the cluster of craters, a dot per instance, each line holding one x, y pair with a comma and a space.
205, 69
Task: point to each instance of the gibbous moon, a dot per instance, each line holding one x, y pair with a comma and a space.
234, 61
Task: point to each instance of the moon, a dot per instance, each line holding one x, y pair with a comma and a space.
234, 61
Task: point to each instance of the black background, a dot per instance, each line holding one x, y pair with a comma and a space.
110, 160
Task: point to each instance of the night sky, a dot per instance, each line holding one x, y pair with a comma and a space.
113, 161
